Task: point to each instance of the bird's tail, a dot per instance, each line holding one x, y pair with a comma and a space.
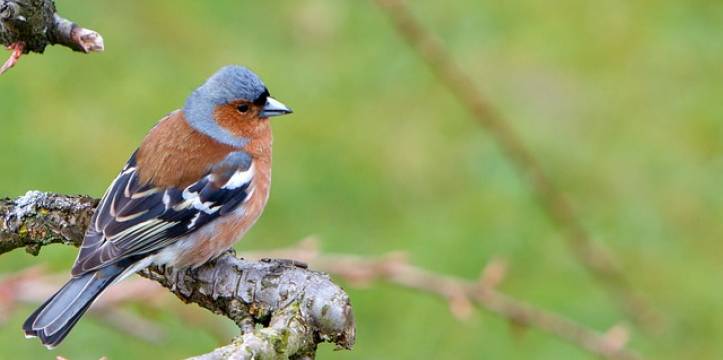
53, 320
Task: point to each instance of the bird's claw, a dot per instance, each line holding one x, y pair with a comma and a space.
17, 51
286, 262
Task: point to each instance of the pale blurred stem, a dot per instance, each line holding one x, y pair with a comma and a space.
296, 308
595, 258
460, 293
34, 24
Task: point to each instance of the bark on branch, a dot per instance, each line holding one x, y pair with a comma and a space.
31, 25
297, 308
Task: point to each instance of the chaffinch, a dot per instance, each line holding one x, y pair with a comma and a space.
197, 183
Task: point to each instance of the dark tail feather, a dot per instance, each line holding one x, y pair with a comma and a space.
53, 320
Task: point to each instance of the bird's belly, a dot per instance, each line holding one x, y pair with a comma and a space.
209, 242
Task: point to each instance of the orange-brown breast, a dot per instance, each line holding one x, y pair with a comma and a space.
174, 154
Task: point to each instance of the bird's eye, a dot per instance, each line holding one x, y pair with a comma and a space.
243, 108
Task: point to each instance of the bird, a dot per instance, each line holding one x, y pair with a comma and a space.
197, 183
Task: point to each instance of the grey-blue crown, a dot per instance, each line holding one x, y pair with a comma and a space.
232, 82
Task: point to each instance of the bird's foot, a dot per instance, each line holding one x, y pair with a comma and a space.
287, 262
17, 51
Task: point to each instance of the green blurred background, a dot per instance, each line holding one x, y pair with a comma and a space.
620, 100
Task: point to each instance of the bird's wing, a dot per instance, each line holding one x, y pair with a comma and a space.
134, 219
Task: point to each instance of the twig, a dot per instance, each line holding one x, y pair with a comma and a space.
460, 294
302, 308
596, 259
31, 25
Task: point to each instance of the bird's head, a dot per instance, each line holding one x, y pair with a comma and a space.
233, 97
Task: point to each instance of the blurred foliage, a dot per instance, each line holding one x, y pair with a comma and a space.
620, 100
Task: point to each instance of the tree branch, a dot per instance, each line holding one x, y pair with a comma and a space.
31, 25
595, 258
296, 307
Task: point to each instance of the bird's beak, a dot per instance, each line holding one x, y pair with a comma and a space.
274, 107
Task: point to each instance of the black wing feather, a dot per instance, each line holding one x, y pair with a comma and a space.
134, 219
